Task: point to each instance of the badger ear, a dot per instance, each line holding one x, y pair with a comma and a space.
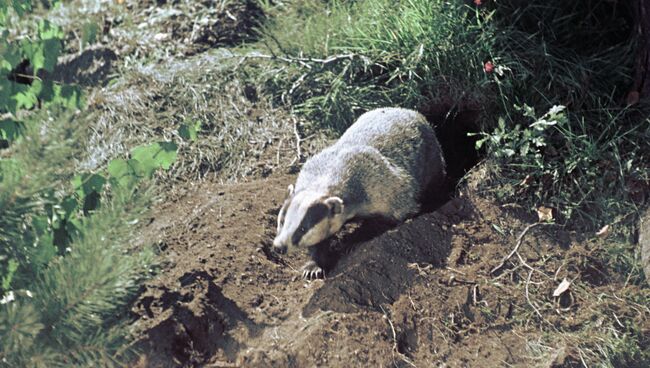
335, 205
290, 190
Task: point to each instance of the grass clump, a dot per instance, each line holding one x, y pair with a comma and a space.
375, 53
592, 166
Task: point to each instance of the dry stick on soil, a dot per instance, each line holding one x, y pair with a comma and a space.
514, 250
300, 60
530, 274
395, 348
298, 140
277, 156
531, 269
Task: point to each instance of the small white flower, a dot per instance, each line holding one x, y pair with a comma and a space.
10, 297
556, 109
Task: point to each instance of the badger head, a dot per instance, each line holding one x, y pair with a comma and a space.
307, 218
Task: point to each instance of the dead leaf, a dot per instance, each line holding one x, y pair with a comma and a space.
603, 232
564, 286
527, 180
544, 214
558, 357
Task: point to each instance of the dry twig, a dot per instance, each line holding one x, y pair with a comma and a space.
514, 250
298, 139
395, 348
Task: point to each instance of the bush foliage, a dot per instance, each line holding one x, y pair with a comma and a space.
67, 266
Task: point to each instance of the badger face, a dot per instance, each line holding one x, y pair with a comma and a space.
307, 219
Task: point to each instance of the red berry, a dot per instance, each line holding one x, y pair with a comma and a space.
488, 67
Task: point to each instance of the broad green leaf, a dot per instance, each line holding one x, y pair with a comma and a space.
190, 131
155, 155
7, 103
42, 54
91, 202
33, 51
89, 33
85, 184
11, 129
10, 56
47, 91
125, 173
48, 31
51, 50
26, 96
68, 206
66, 96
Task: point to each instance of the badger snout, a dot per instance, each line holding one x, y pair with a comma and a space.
279, 246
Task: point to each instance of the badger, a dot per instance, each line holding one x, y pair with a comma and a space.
379, 167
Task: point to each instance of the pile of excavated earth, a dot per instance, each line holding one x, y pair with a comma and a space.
434, 289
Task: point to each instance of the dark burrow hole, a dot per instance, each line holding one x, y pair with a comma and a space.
452, 127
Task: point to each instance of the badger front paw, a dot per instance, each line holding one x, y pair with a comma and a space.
311, 271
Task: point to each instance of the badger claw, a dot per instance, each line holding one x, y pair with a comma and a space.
311, 271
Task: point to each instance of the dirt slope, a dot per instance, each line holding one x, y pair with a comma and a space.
419, 294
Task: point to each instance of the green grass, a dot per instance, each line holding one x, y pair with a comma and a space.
407, 53
333, 60
594, 165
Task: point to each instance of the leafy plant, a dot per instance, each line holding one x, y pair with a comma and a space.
22, 62
67, 269
190, 131
527, 143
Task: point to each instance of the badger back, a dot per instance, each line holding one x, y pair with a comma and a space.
404, 137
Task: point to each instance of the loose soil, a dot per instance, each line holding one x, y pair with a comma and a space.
421, 293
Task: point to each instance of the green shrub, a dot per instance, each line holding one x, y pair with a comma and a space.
593, 167
68, 269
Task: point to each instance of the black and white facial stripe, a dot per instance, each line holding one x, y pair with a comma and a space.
314, 214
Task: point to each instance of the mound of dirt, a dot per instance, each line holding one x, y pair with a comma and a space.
422, 293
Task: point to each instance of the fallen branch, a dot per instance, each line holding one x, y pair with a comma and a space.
303, 61
298, 139
514, 250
